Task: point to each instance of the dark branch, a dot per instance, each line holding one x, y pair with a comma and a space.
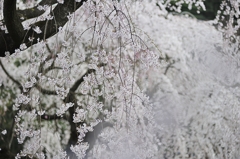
48, 27
53, 117
12, 21
35, 12
79, 81
169, 66
45, 91
9, 42
73, 132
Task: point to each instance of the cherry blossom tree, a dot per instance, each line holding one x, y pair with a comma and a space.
118, 79
76, 84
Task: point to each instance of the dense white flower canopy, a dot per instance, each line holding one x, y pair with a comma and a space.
195, 94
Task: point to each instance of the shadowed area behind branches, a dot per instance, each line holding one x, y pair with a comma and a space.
17, 35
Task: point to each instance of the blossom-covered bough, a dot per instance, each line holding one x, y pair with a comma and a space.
117, 79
